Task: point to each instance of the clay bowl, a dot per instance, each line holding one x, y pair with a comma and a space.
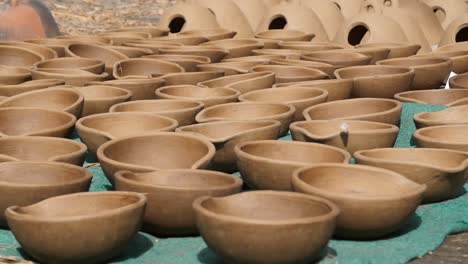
285, 35
213, 34
27, 148
144, 68
459, 81
225, 135
154, 31
182, 187
429, 72
236, 47
362, 193
324, 67
299, 97
286, 53
56, 44
188, 40
269, 164
58, 99
459, 59
23, 183
338, 58
285, 73
350, 135
397, 50
85, 64
100, 98
191, 78
70, 76
309, 46
132, 52
243, 82
442, 171
188, 62
377, 81
18, 121
11, 90
117, 216
208, 96
376, 53
277, 216
184, 111
448, 97
42, 50
153, 45
366, 109
118, 38
13, 75
249, 111
230, 68
98, 129
135, 153
91, 39
456, 115
443, 137
270, 43
18, 57
337, 89
98, 52
214, 53
142, 89
266, 59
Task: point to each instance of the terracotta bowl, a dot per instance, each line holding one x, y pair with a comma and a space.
18, 57
23, 183
98, 129
286, 53
269, 164
188, 62
132, 52
350, 135
236, 47
59, 99
181, 187
154, 45
231, 68
154, 31
243, 82
42, 50
135, 153
42, 149
442, 171
271, 43
459, 59
142, 89
117, 216
208, 96
377, 81
91, 39
324, 67
291, 73
459, 81
183, 40
366, 109
225, 135
443, 137
12, 90
18, 121
376, 53
191, 78
309, 46
98, 52
184, 111
248, 111
256, 58
144, 68
448, 97
70, 76
56, 44
456, 115
299, 97
338, 58
85, 64
285, 35
277, 216
99, 98
337, 89
118, 38
430, 72
213, 34
362, 193
13, 75
215, 54
397, 50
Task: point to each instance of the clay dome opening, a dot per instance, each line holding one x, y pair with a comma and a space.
462, 34
176, 24
440, 13
279, 22
357, 34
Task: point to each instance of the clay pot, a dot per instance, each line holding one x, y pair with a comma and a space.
397, 50
188, 62
184, 111
13, 75
348, 8
236, 47
42, 149
459, 59
286, 53
376, 53
183, 187
208, 96
156, 45
362, 193
443, 137
100, 98
56, 44
230, 68
18, 57
154, 31
11, 90
270, 43
285, 73
108, 56
309, 46
455, 32
84, 64
210, 34
114, 155
98, 129
215, 54
225, 135
266, 59
448, 97
350, 135
277, 215
456, 115
447, 11
132, 52
324, 67
187, 16
142, 89
244, 82
180, 39
299, 97
269, 164
144, 68
337, 89
459, 81
118, 38
42, 50
249, 111
90, 39
117, 216
366, 109
191, 78
58, 99
70, 76
442, 171
285, 35
38, 181
377, 81
338, 58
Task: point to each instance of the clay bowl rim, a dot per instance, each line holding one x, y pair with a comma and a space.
25, 44
419, 136
390, 45
441, 62
255, 58
291, 34
234, 66
302, 44
93, 46
63, 74
52, 82
323, 94
312, 71
199, 105
86, 38
118, 65
178, 58
21, 72
280, 52
97, 63
285, 62
252, 76
401, 96
417, 189
127, 81
161, 92
407, 71
251, 43
205, 158
421, 118
23, 49
358, 57
192, 39
306, 83
128, 94
191, 48
455, 81
136, 50
213, 32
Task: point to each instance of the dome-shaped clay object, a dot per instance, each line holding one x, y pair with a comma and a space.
447, 10
457, 31
187, 16
293, 16
11, 90
13, 75
348, 8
